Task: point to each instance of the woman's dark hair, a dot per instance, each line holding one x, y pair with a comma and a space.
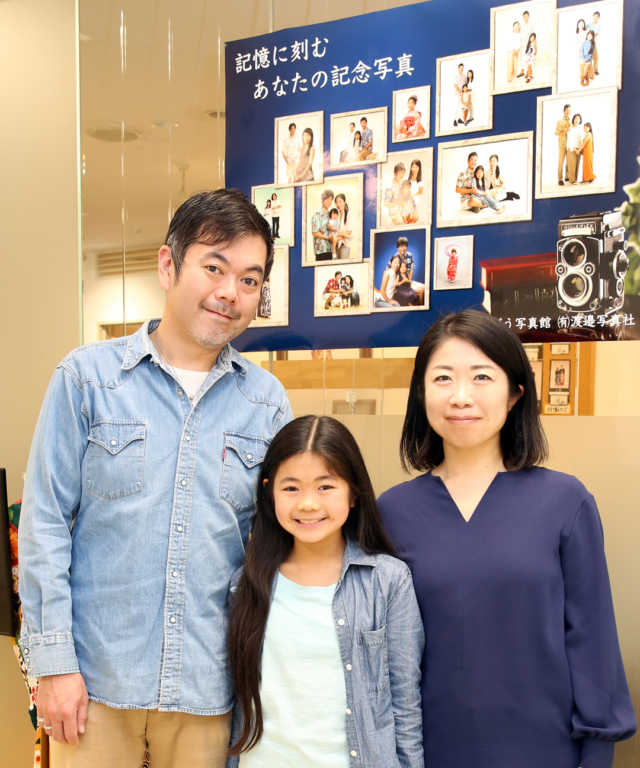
350, 279
584, 26
522, 439
395, 256
497, 166
274, 196
346, 207
573, 119
419, 174
470, 72
310, 132
271, 544
480, 183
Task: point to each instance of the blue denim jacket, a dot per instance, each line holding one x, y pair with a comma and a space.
381, 641
137, 507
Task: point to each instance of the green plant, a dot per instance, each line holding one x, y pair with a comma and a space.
631, 222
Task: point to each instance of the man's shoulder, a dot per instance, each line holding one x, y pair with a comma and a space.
259, 383
99, 361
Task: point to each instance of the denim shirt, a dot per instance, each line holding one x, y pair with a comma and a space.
137, 507
381, 641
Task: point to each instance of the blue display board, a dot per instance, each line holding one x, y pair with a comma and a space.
356, 64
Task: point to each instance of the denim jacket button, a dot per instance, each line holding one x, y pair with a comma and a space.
341, 622
348, 711
349, 667
174, 574
188, 439
114, 442
183, 482
354, 753
173, 619
249, 456
179, 529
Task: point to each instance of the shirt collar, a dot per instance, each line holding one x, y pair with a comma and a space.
354, 555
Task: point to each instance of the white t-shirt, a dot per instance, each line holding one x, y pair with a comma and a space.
304, 699
191, 380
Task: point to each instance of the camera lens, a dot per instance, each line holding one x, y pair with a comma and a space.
574, 286
574, 253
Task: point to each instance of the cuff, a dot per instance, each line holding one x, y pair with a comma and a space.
596, 753
49, 654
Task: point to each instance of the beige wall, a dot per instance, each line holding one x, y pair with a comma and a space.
39, 291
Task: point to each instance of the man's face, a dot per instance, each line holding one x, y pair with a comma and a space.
525, 17
402, 249
218, 290
363, 125
473, 161
399, 174
326, 203
567, 112
339, 276
460, 68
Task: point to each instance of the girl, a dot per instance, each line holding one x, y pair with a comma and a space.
480, 191
404, 293
465, 102
452, 264
325, 635
276, 205
304, 170
586, 59
523, 666
530, 56
356, 148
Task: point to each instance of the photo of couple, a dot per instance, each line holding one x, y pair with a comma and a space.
404, 188
299, 149
399, 266
333, 220
485, 181
277, 206
341, 291
453, 263
273, 309
576, 143
411, 114
358, 138
464, 102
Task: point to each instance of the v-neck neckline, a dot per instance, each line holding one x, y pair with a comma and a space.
478, 505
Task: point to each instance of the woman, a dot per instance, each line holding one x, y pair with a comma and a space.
574, 142
586, 147
267, 214
389, 280
344, 231
471, 90
496, 184
513, 53
522, 665
415, 177
304, 171
581, 36
586, 59
275, 207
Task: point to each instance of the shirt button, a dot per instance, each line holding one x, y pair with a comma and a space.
341, 622
354, 753
114, 442
174, 574
349, 667
173, 619
249, 456
188, 439
184, 482
179, 529
179, 393
348, 711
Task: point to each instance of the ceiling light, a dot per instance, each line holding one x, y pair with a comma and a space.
163, 124
214, 113
114, 133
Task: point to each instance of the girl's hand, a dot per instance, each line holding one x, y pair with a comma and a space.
395, 303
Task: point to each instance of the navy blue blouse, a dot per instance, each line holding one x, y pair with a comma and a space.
522, 666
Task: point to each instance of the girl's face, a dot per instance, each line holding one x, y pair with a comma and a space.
587, 128
467, 396
479, 173
589, 35
516, 27
311, 503
358, 135
403, 268
414, 169
411, 104
492, 163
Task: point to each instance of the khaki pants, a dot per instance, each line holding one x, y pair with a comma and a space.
119, 738
595, 58
512, 65
561, 159
573, 166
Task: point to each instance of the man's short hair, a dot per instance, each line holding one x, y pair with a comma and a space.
363, 119
292, 125
402, 241
525, 13
597, 13
338, 273
326, 194
472, 154
461, 65
566, 106
398, 167
221, 217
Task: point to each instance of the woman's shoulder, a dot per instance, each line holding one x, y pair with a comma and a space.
559, 486
406, 490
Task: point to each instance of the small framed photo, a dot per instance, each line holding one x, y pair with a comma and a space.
463, 93
277, 205
299, 149
522, 37
453, 263
358, 138
576, 144
332, 220
341, 291
560, 375
411, 114
273, 309
536, 367
405, 182
588, 46
485, 181
399, 269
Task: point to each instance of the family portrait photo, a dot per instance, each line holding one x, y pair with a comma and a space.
341, 290
273, 309
358, 138
453, 263
589, 47
405, 188
576, 143
411, 114
485, 181
463, 93
522, 38
400, 268
332, 220
277, 205
560, 375
299, 149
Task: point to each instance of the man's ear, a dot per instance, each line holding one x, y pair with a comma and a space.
166, 270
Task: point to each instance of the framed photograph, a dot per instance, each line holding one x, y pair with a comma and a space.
405, 182
299, 149
463, 93
358, 138
399, 269
559, 375
411, 114
341, 291
588, 46
277, 205
536, 367
453, 263
522, 41
485, 181
273, 309
332, 220
576, 143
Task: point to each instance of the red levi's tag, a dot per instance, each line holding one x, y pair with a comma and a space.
224, 450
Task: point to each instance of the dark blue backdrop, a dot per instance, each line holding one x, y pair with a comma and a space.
426, 31
385, 248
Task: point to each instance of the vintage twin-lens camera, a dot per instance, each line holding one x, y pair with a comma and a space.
591, 263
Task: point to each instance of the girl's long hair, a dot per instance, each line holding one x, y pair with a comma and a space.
497, 166
529, 44
346, 207
270, 545
592, 41
480, 183
591, 132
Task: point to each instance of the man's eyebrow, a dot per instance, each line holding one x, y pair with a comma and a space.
221, 257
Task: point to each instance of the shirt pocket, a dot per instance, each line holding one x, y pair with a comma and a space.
243, 455
375, 658
115, 458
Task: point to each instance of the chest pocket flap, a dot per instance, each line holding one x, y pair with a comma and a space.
115, 435
115, 458
243, 455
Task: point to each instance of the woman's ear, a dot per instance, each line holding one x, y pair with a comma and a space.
265, 481
514, 398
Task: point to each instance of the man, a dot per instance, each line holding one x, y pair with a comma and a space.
464, 185
459, 80
528, 28
594, 27
563, 127
392, 192
139, 498
332, 295
348, 142
291, 148
367, 140
320, 228
405, 256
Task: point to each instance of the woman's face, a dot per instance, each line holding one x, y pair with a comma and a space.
340, 203
492, 163
516, 27
274, 196
306, 137
467, 396
414, 169
470, 76
581, 25
395, 263
577, 120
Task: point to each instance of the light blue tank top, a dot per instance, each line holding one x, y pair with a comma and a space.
303, 694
